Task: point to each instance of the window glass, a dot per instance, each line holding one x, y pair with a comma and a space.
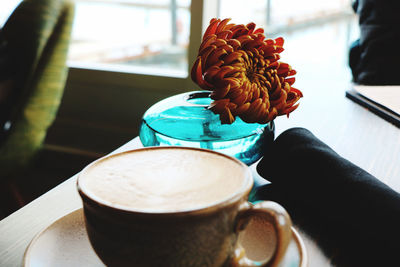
281, 13
244, 11
289, 12
152, 34
6, 8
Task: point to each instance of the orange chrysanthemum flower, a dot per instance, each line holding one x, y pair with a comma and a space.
242, 69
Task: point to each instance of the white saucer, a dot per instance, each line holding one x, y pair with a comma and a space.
65, 243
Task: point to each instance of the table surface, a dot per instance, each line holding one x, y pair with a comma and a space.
355, 133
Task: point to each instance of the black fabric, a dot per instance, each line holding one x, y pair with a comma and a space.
8, 91
374, 58
5, 59
353, 216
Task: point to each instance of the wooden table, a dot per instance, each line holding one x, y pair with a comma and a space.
351, 130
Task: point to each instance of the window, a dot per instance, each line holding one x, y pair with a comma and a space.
6, 7
135, 35
279, 15
153, 36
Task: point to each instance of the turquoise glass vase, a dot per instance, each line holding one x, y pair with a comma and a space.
185, 120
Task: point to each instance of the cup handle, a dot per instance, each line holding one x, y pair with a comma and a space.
272, 213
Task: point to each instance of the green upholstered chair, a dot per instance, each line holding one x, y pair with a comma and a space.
38, 34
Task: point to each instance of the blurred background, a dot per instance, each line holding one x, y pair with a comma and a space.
126, 55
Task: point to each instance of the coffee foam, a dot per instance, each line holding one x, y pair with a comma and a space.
164, 180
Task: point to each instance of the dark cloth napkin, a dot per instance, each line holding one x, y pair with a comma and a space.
352, 216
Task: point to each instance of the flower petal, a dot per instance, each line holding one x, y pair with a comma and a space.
244, 72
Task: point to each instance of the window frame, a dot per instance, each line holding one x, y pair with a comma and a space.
102, 106
98, 74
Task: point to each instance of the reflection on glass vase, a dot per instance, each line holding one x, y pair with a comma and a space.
184, 120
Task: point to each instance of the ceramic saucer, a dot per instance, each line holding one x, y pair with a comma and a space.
65, 243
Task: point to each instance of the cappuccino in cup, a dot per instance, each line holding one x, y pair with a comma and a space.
173, 206
164, 180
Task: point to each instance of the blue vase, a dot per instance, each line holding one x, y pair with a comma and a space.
184, 120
